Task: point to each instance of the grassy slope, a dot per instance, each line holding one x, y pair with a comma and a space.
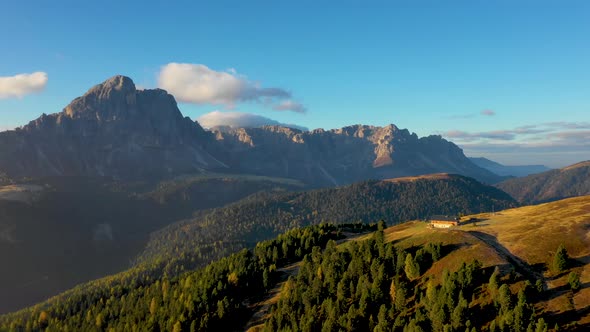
526, 237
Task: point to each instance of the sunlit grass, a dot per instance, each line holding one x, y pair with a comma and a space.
531, 233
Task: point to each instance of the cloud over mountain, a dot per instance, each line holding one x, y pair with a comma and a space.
199, 84
240, 120
18, 86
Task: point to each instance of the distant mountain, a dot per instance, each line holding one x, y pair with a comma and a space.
552, 185
113, 130
505, 170
340, 156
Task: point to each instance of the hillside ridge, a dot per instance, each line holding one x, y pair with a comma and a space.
570, 181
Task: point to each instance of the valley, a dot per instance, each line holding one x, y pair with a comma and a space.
58, 232
278, 166
85, 207
520, 242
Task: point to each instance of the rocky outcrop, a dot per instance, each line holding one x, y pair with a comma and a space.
119, 131
112, 130
345, 155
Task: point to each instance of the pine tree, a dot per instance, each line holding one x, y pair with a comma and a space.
539, 286
177, 327
400, 296
504, 298
43, 319
459, 315
541, 326
561, 259
574, 281
494, 282
153, 306
99, 320
411, 267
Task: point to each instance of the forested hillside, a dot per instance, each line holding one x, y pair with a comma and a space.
211, 298
374, 286
549, 186
368, 285
409, 277
262, 216
58, 232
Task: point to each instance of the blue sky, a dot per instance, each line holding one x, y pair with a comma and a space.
504, 79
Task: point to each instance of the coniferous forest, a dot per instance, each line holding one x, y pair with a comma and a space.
399, 166
216, 232
374, 286
357, 285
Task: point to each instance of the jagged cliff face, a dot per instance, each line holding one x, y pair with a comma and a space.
343, 155
116, 130
113, 130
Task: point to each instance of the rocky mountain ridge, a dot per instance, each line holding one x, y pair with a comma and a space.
118, 131
344, 155
112, 130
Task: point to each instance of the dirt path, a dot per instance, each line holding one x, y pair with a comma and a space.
262, 308
520, 265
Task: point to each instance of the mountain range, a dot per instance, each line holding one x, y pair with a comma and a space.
118, 131
120, 182
506, 170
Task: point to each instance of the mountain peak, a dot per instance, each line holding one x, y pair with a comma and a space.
112, 130
110, 97
118, 82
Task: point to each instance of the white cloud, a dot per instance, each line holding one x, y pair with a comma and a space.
547, 133
554, 144
485, 112
289, 105
198, 84
22, 84
240, 120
